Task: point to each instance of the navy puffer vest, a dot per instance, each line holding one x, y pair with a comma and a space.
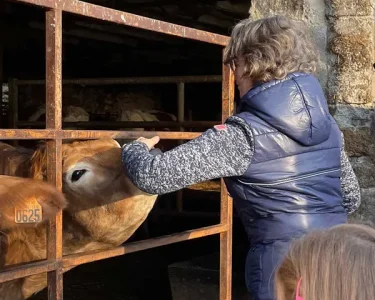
293, 182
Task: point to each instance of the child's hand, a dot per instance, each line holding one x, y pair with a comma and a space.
149, 142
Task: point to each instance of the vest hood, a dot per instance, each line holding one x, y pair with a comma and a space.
295, 106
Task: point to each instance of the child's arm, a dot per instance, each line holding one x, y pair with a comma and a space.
222, 151
349, 184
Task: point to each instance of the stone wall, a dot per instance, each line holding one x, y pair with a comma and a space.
344, 32
351, 90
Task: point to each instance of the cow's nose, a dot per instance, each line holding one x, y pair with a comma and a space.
155, 151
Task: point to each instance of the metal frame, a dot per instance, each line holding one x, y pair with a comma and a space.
55, 262
180, 82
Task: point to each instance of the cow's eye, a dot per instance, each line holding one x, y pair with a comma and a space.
77, 174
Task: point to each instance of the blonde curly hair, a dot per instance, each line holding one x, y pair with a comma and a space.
271, 48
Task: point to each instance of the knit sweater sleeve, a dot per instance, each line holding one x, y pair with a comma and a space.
222, 151
349, 184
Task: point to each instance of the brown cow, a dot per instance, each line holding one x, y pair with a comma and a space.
104, 208
16, 193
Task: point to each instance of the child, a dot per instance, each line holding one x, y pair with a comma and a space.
338, 263
282, 156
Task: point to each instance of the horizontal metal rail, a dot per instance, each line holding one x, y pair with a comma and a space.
81, 258
33, 268
123, 124
49, 134
130, 80
123, 18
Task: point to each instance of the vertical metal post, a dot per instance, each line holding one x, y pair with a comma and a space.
13, 106
2, 46
226, 209
1, 81
12, 95
180, 118
54, 155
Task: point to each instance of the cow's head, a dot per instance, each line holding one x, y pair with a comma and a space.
92, 173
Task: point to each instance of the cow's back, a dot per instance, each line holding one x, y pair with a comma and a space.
14, 161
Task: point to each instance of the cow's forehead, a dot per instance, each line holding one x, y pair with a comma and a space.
94, 150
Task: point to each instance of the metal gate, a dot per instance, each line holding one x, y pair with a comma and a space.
55, 262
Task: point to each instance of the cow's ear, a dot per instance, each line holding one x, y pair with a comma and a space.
18, 193
38, 168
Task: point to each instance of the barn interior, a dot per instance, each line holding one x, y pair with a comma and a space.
94, 49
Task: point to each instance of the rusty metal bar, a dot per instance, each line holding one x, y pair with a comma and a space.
77, 259
54, 154
131, 80
15, 272
82, 258
123, 18
181, 102
1, 77
208, 186
180, 118
95, 134
46, 134
13, 106
26, 134
124, 124
54, 232
13, 102
226, 209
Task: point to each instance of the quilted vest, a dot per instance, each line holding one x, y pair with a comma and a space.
292, 185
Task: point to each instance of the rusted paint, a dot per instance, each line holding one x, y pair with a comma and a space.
206, 186
1, 79
55, 284
13, 103
180, 118
54, 153
53, 68
11, 273
132, 80
125, 124
78, 259
95, 134
26, 134
47, 134
123, 18
226, 203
